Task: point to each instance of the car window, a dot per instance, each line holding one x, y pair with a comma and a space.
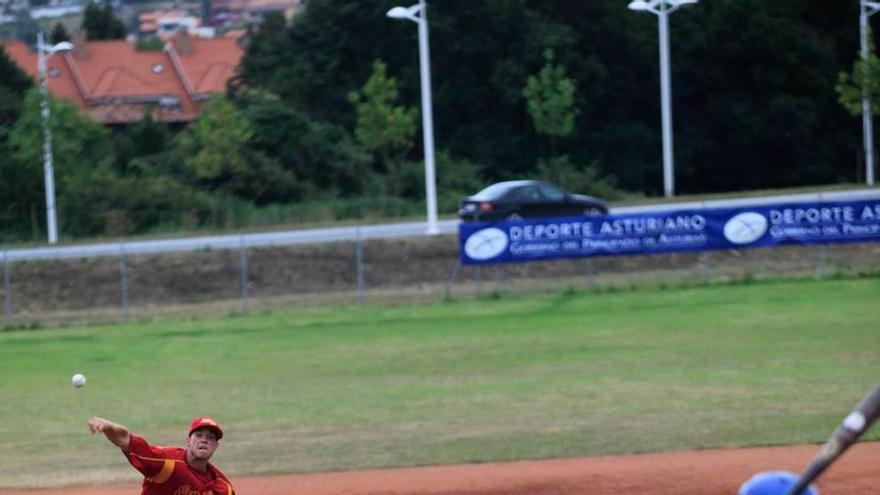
524, 193
552, 192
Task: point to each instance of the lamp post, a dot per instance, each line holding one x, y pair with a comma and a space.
43, 53
867, 9
662, 8
419, 14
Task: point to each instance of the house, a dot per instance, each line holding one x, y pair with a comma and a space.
116, 84
166, 24
246, 12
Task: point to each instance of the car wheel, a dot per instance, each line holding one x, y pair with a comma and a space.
592, 211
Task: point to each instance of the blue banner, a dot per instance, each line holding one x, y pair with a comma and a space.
671, 231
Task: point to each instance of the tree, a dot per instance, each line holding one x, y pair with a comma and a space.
323, 156
584, 180
144, 138
80, 147
550, 99
218, 157
216, 141
99, 22
59, 33
863, 81
753, 83
13, 85
383, 127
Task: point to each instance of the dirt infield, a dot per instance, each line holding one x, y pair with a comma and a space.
713, 472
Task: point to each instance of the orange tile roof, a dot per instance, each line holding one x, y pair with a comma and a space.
210, 63
60, 78
116, 83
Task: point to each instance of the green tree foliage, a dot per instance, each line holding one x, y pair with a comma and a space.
457, 178
324, 156
144, 138
216, 141
754, 105
79, 147
584, 180
100, 23
13, 85
386, 129
382, 126
217, 156
753, 83
92, 197
149, 44
550, 99
59, 33
111, 204
863, 81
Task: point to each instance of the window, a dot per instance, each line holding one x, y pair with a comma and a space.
525, 193
552, 192
169, 102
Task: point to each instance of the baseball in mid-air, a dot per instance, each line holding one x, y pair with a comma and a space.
78, 380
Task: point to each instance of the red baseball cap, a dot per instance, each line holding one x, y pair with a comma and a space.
205, 422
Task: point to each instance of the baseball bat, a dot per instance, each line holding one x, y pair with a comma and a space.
853, 426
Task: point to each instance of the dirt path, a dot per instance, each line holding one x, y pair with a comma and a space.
680, 473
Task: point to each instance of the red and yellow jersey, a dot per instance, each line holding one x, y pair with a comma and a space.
166, 471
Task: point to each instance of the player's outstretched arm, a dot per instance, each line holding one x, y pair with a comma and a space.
117, 434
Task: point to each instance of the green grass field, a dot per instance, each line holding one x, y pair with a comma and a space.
555, 376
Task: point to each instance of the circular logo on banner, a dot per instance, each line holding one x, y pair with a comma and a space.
745, 228
485, 244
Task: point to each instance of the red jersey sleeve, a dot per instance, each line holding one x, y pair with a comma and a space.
146, 458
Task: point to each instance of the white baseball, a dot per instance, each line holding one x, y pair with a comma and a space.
78, 380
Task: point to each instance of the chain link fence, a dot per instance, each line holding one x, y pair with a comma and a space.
128, 287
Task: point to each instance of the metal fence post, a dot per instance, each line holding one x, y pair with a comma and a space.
822, 268
478, 269
447, 295
478, 279
359, 265
7, 292
500, 281
243, 273
123, 280
707, 274
588, 264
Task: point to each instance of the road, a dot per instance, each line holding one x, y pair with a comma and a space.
382, 231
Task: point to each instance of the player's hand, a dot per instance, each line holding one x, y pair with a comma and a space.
97, 425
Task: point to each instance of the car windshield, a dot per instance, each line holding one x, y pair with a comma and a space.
495, 191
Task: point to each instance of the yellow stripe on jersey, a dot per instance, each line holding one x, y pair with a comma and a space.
165, 473
228, 488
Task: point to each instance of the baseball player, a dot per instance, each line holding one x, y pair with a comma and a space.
172, 470
773, 483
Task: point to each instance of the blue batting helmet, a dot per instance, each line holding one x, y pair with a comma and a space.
773, 483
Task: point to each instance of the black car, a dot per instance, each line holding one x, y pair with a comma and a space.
517, 199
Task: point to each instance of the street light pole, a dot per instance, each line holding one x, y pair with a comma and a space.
867, 9
43, 53
419, 14
665, 105
662, 9
48, 171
